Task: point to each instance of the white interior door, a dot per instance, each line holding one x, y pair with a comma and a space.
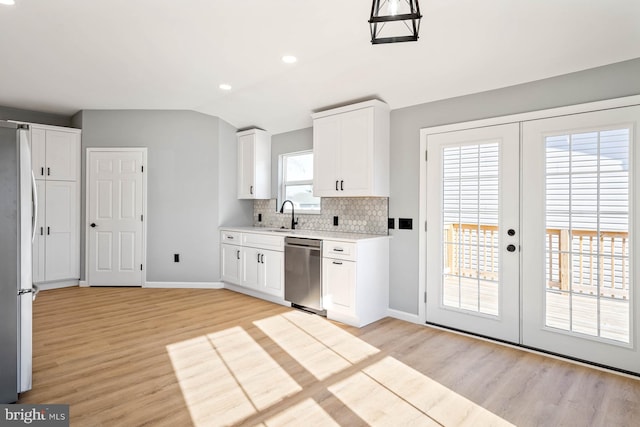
580, 213
115, 218
473, 231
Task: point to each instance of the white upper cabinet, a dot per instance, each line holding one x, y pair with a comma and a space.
55, 153
351, 151
254, 164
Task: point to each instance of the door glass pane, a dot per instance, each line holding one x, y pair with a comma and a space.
587, 233
470, 227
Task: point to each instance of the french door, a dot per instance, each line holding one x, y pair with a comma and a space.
580, 210
531, 234
473, 230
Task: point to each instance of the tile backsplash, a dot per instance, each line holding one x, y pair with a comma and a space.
366, 215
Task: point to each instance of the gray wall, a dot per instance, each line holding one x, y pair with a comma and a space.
8, 113
184, 158
231, 211
611, 81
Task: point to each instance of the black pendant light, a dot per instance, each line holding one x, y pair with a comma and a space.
394, 21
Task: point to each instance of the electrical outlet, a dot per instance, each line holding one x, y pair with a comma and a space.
176, 257
259, 217
335, 220
405, 223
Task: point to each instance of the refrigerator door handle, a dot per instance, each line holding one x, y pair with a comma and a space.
34, 217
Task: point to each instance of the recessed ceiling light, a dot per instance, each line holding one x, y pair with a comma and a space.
7, 2
225, 86
289, 59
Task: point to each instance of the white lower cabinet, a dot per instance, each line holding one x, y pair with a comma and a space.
56, 243
262, 270
253, 261
230, 261
340, 286
355, 280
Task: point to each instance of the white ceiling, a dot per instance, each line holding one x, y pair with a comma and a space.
62, 56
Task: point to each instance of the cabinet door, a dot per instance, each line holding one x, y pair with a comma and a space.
249, 272
230, 262
38, 152
40, 237
326, 153
356, 135
61, 231
270, 271
246, 165
62, 155
339, 284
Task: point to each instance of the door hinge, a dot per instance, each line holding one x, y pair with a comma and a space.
425, 226
425, 297
140, 267
141, 217
426, 155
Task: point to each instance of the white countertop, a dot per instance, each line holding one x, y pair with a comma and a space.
311, 234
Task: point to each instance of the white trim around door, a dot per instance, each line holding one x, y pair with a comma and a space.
134, 158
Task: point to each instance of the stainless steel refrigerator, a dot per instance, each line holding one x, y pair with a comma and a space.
17, 202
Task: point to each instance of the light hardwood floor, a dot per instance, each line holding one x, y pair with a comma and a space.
130, 357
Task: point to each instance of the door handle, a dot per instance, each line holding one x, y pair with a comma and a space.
238, 254
337, 185
341, 185
251, 189
511, 248
93, 225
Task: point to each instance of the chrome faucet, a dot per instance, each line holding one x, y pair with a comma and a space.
293, 214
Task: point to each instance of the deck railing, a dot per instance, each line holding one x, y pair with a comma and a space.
579, 260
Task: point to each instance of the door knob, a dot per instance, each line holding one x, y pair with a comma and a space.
511, 248
93, 225
511, 232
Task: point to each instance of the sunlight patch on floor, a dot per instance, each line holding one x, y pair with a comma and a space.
315, 357
227, 376
432, 398
337, 339
376, 405
306, 413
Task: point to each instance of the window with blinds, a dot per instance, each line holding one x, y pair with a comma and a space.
587, 233
470, 185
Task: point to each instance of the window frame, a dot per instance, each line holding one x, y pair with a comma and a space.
283, 183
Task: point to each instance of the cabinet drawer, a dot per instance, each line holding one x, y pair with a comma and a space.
230, 237
339, 250
263, 241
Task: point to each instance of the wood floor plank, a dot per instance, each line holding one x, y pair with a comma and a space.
180, 357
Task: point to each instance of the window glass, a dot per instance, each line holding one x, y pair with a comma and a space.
296, 177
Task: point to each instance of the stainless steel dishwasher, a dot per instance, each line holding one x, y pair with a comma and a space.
303, 273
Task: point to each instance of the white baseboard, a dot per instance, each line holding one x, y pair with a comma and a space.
403, 315
184, 285
83, 284
57, 285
